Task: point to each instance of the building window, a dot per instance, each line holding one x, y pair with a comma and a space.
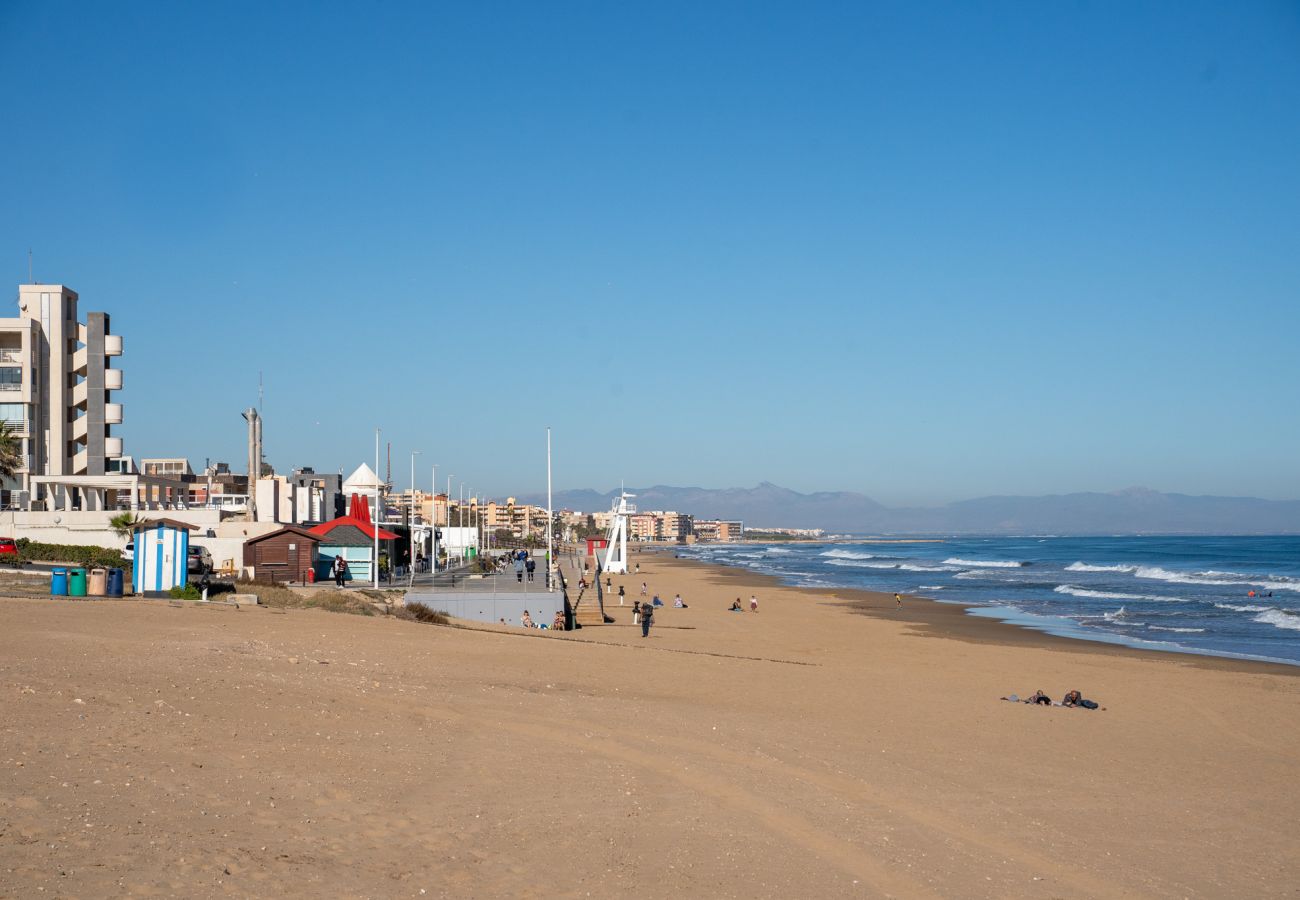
13, 413
11, 378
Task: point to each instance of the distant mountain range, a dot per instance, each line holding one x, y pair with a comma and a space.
1131, 511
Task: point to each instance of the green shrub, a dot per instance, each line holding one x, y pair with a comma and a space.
186, 592
76, 554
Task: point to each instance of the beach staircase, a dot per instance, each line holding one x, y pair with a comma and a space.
585, 601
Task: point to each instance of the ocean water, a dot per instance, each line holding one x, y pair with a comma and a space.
1179, 594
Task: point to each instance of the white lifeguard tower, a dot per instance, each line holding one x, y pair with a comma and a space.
616, 551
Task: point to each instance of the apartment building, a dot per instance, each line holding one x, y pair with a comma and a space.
55, 394
412, 506
675, 526
723, 531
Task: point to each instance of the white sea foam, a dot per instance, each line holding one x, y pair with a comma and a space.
776, 550
1242, 607
1112, 595
930, 587
904, 567
1172, 628
1280, 619
1115, 614
982, 563
1211, 577
847, 554
1089, 567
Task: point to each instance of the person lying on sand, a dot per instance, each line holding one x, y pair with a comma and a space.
1038, 698
735, 606
1074, 698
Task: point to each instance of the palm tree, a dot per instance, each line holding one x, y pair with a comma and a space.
11, 457
123, 524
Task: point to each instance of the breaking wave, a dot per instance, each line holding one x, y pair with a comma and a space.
1112, 595
1089, 567
1155, 573
847, 554
1279, 619
983, 563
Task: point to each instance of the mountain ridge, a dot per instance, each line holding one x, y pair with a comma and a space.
1132, 510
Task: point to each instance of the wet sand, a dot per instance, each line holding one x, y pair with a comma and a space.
827, 746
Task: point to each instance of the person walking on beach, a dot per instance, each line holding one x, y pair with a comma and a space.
340, 571
898, 599
643, 589
647, 619
753, 603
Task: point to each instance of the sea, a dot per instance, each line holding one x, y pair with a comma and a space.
1218, 596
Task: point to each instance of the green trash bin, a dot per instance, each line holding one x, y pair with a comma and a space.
77, 582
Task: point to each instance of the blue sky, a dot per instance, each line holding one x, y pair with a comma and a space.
924, 251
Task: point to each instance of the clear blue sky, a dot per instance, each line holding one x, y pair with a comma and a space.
924, 251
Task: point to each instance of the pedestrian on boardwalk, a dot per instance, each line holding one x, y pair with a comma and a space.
531, 566
647, 619
340, 571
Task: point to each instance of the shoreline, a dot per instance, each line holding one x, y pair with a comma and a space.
825, 746
952, 620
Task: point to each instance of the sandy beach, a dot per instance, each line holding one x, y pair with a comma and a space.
829, 745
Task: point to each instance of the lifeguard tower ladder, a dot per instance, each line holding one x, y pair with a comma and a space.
616, 551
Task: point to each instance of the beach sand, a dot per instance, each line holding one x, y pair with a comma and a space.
829, 745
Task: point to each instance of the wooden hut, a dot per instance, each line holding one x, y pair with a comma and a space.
285, 555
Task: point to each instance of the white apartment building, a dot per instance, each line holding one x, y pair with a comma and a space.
55, 394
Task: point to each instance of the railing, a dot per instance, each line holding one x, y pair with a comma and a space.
11, 356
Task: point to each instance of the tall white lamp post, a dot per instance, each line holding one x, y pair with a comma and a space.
410, 522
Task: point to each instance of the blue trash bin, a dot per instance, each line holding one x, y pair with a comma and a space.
114, 582
59, 583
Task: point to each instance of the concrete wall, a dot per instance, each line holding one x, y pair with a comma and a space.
87, 527
487, 607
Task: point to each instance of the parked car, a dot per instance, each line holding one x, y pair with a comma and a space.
128, 552
8, 547
200, 561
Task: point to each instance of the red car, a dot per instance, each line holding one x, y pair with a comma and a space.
7, 546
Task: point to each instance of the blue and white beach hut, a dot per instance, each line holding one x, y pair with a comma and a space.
162, 550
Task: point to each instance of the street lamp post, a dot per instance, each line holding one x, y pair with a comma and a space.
375, 515
410, 521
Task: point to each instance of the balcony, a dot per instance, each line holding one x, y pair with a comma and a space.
112, 345
79, 392
11, 355
113, 447
79, 361
113, 379
112, 414
80, 425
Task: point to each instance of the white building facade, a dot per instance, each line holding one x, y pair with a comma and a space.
56, 389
